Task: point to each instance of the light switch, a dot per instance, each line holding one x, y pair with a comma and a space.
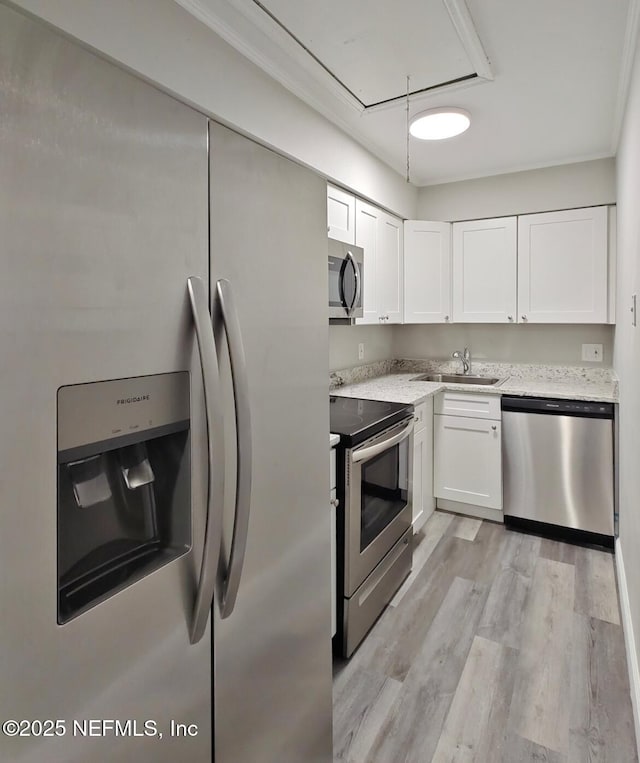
592, 352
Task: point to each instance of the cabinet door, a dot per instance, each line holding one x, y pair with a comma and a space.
341, 215
334, 584
484, 271
423, 501
367, 223
562, 267
389, 268
417, 480
467, 460
427, 272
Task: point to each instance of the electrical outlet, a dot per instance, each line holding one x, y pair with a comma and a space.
361, 351
592, 352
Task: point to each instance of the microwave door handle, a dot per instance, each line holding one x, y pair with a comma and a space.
343, 299
215, 439
233, 575
356, 273
373, 450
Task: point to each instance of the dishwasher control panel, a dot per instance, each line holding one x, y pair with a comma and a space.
560, 407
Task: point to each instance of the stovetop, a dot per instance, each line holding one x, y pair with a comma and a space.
356, 420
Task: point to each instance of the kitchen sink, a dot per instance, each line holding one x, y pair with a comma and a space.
458, 379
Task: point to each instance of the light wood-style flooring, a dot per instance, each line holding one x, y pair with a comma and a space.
500, 647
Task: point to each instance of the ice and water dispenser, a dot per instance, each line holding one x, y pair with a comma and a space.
124, 499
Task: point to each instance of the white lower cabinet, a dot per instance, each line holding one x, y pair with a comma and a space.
422, 498
468, 462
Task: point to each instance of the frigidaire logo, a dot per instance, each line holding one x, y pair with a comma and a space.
128, 400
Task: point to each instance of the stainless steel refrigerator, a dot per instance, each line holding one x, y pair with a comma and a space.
164, 528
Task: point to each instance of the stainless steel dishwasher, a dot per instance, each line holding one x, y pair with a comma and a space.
558, 468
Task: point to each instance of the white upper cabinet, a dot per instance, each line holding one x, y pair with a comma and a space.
484, 271
427, 272
390, 268
381, 236
367, 238
562, 267
341, 215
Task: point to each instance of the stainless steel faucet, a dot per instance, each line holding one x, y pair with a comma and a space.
465, 358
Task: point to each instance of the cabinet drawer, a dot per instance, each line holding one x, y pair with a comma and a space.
420, 416
332, 468
468, 404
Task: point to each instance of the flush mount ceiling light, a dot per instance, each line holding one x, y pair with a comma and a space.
438, 124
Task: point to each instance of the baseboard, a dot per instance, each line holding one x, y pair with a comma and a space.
422, 517
629, 640
470, 510
419, 521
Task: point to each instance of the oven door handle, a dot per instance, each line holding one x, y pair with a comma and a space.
365, 454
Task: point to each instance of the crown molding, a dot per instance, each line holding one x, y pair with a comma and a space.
255, 35
524, 167
626, 67
258, 36
464, 26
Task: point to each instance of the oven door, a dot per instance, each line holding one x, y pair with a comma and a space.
377, 508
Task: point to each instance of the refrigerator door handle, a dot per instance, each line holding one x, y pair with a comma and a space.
232, 575
215, 439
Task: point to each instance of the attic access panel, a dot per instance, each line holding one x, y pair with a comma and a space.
370, 47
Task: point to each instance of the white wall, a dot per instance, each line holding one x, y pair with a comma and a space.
561, 187
554, 345
165, 44
626, 356
517, 344
344, 340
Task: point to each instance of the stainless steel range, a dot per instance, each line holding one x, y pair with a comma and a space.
374, 513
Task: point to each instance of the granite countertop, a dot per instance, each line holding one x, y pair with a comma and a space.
568, 384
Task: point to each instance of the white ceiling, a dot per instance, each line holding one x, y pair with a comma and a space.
544, 80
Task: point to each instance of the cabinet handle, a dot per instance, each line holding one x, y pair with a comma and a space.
524, 317
494, 427
416, 418
510, 317
335, 501
446, 317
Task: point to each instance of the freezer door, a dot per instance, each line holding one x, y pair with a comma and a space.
103, 213
273, 646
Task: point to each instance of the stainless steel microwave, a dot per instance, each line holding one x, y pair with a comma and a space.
346, 275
